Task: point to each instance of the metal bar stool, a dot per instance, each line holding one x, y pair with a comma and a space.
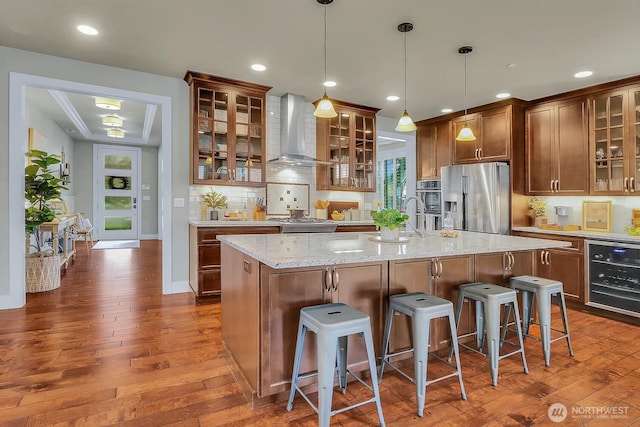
332, 323
544, 290
489, 301
422, 308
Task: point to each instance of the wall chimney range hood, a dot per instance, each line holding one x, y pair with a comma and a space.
292, 117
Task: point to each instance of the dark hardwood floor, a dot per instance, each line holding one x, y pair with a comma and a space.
107, 348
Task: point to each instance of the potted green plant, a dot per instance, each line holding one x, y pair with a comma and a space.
41, 186
389, 221
214, 200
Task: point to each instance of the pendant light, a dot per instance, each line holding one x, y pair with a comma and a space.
405, 124
466, 134
325, 107
108, 103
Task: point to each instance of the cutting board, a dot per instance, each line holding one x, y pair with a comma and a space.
341, 206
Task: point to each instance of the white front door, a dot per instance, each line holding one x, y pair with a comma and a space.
116, 176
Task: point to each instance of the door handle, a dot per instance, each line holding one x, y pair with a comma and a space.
505, 261
548, 257
557, 186
434, 266
625, 186
551, 185
439, 269
328, 279
336, 279
632, 184
542, 257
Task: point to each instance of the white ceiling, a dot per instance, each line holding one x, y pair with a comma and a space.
548, 40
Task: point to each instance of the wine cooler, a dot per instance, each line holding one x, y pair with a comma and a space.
614, 277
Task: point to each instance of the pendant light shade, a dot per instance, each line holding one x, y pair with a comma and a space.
465, 134
405, 124
115, 133
108, 103
112, 121
325, 107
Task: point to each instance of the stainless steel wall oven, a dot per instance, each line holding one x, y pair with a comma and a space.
430, 192
614, 276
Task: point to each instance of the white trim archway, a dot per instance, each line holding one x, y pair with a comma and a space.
18, 83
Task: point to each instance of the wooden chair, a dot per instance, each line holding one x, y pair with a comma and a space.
84, 230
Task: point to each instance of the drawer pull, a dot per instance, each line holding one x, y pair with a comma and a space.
247, 266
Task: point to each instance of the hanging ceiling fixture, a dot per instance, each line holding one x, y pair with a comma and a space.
325, 107
405, 124
115, 133
466, 134
108, 103
112, 121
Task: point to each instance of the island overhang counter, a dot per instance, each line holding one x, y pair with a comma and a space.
267, 279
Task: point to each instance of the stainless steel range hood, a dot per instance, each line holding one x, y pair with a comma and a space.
292, 115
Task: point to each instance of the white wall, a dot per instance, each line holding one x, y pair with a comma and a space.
29, 63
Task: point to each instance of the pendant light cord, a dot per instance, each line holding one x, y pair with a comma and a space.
325, 44
465, 89
405, 71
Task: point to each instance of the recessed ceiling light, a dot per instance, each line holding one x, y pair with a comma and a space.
258, 67
511, 66
108, 103
87, 29
446, 110
582, 74
503, 95
329, 83
115, 133
112, 121
392, 98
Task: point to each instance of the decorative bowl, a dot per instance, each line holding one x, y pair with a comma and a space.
337, 216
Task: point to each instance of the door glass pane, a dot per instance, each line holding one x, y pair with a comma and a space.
113, 182
117, 223
117, 162
117, 203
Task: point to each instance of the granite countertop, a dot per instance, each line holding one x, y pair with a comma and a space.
272, 223
593, 235
304, 249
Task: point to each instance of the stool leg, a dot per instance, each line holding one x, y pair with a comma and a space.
493, 336
368, 340
519, 332
296, 364
459, 304
421, 327
454, 348
565, 321
327, 348
341, 358
527, 301
544, 313
505, 324
480, 326
385, 341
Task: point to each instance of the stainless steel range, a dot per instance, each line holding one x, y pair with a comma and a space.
298, 223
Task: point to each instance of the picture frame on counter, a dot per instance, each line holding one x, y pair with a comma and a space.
597, 216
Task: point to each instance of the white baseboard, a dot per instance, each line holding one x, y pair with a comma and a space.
178, 287
149, 237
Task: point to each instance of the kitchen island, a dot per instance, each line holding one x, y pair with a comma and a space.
267, 279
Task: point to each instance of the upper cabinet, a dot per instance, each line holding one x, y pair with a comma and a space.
557, 148
615, 141
492, 129
433, 142
347, 143
228, 129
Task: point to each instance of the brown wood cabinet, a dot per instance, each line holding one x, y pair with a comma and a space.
364, 228
348, 143
563, 264
557, 148
433, 142
499, 268
492, 129
228, 130
286, 291
204, 256
615, 141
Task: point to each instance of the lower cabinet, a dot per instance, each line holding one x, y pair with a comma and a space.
285, 291
562, 264
498, 268
204, 256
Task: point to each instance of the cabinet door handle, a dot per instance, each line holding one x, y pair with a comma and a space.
542, 257
328, 279
479, 153
505, 261
246, 266
548, 257
513, 261
632, 184
336, 279
434, 268
557, 186
551, 185
625, 186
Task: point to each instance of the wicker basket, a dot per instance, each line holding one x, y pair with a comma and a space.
42, 273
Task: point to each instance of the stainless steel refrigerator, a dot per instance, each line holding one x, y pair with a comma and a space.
477, 196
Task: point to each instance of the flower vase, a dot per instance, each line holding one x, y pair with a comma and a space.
539, 220
388, 234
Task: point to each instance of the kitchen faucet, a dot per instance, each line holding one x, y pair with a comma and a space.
421, 215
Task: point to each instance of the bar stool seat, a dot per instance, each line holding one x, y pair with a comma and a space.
422, 308
490, 300
332, 324
544, 290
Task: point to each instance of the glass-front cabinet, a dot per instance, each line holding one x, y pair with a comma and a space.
347, 144
228, 131
615, 141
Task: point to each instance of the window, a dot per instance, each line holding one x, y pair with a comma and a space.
392, 182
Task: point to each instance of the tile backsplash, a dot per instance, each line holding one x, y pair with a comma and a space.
243, 197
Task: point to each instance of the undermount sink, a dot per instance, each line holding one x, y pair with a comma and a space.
402, 233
